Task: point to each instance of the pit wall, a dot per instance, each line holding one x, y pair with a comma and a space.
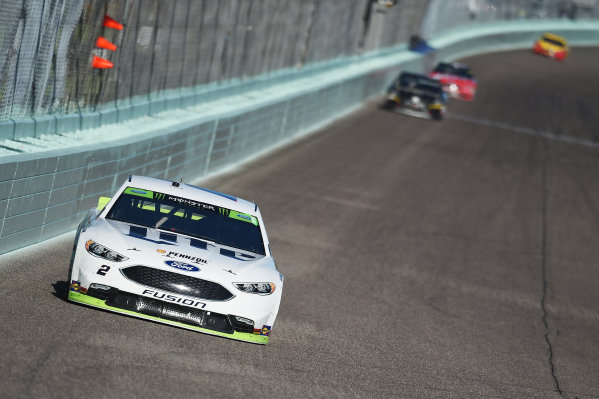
44, 194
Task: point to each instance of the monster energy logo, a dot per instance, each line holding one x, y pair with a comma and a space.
196, 204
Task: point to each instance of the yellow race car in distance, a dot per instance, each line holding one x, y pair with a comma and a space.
551, 45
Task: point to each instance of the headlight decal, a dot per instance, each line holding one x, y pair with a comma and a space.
101, 251
256, 288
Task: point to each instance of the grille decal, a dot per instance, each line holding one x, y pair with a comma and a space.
177, 283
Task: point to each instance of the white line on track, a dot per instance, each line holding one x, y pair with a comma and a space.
525, 130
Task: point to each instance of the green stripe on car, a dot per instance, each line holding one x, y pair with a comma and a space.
139, 192
244, 217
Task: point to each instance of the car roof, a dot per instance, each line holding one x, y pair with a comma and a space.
420, 78
457, 65
554, 37
192, 192
413, 74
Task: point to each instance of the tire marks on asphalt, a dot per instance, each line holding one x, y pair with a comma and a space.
524, 130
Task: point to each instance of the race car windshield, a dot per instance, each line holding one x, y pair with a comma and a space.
554, 42
411, 80
452, 70
192, 218
425, 89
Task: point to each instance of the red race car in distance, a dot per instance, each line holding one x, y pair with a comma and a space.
457, 80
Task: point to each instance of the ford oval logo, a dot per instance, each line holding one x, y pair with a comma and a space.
182, 266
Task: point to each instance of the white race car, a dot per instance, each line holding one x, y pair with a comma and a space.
181, 255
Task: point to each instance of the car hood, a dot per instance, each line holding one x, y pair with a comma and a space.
179, 253
551, 47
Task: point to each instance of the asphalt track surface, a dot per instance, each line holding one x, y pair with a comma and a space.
423, 260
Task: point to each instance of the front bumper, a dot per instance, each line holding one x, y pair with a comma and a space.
168, 313
555, 54
425, 113
411, 112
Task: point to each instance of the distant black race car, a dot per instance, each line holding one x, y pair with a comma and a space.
417, 95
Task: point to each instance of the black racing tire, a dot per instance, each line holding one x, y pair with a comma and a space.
389, 104
70, 275
436, 115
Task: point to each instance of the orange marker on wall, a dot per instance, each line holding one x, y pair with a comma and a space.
103, 43
111, 23
101, 63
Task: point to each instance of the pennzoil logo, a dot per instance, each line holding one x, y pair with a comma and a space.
190, 258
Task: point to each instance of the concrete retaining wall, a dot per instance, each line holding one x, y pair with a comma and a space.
43, 194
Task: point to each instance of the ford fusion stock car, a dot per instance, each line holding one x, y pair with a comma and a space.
181, 255
456, 79
417, 95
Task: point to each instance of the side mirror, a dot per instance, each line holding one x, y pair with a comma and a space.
102, 202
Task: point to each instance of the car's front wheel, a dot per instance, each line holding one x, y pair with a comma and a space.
436, 114
389, 104
70, 275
